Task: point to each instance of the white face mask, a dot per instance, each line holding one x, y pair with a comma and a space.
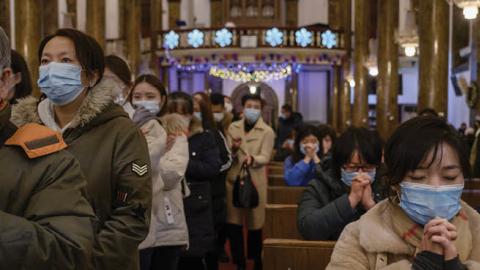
150, 105
218, 116
228, 107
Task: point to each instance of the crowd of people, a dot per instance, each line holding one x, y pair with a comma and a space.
108, 172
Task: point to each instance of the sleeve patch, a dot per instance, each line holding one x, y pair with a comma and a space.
140, 170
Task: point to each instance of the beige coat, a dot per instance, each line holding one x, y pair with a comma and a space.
259, 144
371, 242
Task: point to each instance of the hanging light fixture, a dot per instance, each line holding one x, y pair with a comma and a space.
407, 36
470, 8
371, 63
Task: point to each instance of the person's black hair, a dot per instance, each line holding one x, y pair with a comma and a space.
411, 142
324, 131
156, 83
179, 102
248, 97
368, 144
428, 112
217, 99
89, 53
24, 87
303, 131
206, 110
120, 68
287, 107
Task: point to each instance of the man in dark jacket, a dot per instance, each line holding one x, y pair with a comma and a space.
286, 123
45, 217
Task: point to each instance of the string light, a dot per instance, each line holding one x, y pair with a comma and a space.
241, 74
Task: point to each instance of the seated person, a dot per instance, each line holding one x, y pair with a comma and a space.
327, 136
423, 224
299, 167
340, 195
287, 147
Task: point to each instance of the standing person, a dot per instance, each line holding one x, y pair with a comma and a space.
350, 188
222, 115
35, 171
287, 122
423, 224
118, 71
251, 141
23, 87
203, 168
168, 148
112, 152
202, 108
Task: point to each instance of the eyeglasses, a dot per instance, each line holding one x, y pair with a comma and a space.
358, 167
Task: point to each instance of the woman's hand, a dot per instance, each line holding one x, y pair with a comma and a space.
357, 189
367, 199
439, 237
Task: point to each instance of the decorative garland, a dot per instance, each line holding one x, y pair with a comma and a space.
247, 74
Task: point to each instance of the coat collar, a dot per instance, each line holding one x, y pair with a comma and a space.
98, 99
259, 125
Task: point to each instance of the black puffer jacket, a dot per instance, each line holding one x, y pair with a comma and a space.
324, 209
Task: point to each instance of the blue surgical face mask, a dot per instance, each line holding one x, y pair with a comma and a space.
347, 177
150, 105
60, 82
423, 203
251, 115
302, 148
198, 115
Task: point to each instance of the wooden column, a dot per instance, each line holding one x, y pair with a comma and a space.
96, 20
344, 114
155, 28
49, 21
27, 34
360, 105
173, 13
387, 80
292, 13
5, 16
133, 33
335, 97
433, 67
216, 13
72, 12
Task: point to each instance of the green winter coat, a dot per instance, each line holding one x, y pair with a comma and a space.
114, 158
45, 219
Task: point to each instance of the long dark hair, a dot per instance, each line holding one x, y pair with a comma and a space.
120, 68
324, 131
179, 102
24, 87
206, 109
157, 84
302, 132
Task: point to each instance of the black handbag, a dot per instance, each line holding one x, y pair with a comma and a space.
245, 194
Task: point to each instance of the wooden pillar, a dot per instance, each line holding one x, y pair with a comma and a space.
344, 114
173, 13
27, 34
216, 13
133, 33
387, 80
360, 104
72, 12
155, 28
335, 97
292, 13
96, 20
5, 16
49, 22
433, 66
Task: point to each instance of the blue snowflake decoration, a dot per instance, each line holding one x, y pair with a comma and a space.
195, 38
223, 37
329, 39
171, 40
303, 37
274, 37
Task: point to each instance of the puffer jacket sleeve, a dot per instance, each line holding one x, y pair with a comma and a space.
174, 163
206, 163
56, 230
128, 224
318, 218
295, 174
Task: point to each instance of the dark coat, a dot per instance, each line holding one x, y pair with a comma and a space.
203, 167
285, 126
324, 209
218, 184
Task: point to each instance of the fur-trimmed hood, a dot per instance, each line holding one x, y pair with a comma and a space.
97, 101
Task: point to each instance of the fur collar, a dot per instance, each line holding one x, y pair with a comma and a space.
97, 100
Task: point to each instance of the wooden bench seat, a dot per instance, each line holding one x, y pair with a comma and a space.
472, 197
284, 195
285, 254
276, 180
473, 184
281, 221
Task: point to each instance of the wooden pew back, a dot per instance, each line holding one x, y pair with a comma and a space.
276, 180
281, 221
284, 195
472, 197
473, 184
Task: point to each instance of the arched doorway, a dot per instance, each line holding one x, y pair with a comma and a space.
270, 110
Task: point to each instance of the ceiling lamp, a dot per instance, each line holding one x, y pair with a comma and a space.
470, 8
407, 36
371, 63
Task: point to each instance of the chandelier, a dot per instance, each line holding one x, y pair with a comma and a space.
470, 8
407, 36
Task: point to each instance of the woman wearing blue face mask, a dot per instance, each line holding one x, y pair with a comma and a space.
78, 103
300, 167
344, 192
423, 224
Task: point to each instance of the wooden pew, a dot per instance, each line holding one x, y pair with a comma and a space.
472, 197
290, 254
284, 195
473, 184
276, 180
281, 221
275, 170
